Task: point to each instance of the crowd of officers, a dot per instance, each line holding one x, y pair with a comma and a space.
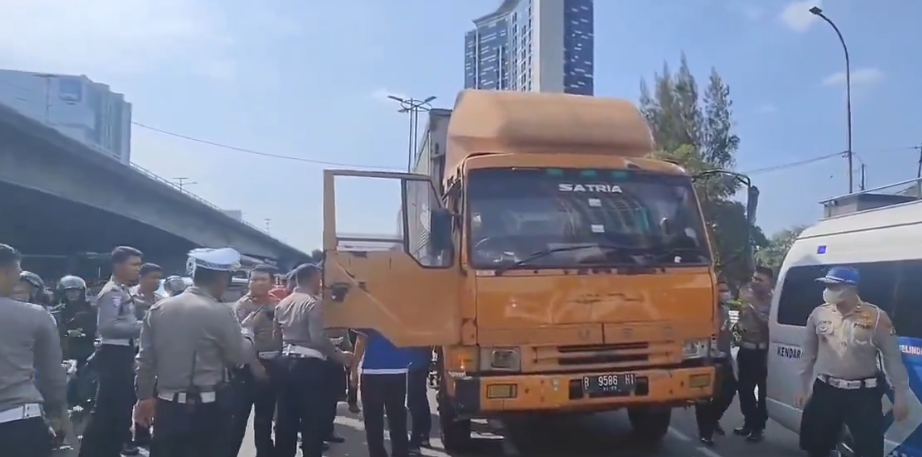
850, 360
191, 368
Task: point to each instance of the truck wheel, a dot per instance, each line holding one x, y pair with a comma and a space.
455, 433
650, 424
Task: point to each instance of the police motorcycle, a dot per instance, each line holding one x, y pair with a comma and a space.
77, 323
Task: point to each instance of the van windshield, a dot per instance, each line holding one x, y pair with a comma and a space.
562, 218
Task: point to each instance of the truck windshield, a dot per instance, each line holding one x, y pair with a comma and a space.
564, 218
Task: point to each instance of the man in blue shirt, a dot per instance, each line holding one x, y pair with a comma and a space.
383, 386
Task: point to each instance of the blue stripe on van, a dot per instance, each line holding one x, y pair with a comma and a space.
911, 349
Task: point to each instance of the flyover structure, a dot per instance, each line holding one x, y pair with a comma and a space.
58, 196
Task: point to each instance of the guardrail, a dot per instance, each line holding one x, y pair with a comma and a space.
191, 195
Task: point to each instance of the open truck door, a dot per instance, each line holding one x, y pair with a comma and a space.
408, 290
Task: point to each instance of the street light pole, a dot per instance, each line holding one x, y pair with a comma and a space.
816, 11
412, 107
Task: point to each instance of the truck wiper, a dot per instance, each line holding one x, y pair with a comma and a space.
546, 252
663, 252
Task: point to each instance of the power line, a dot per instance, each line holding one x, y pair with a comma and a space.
773, 168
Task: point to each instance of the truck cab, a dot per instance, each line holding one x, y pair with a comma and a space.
553, 266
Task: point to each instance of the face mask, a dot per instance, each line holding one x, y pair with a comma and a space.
724, 297
832, 296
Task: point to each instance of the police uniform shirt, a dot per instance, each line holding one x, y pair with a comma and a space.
117, 321
846, 346
191, 325
265, 340
340, 338
143, 303
753, 321
30, 343
299, 318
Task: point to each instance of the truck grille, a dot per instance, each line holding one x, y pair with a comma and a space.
603, 354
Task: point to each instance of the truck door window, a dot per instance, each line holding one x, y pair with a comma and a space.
515, 213
801, 293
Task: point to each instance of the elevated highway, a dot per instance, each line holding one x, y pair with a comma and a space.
58, 196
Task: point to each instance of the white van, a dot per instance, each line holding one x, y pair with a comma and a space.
885, 245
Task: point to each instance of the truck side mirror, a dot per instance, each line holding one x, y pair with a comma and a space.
440, 229
752, 204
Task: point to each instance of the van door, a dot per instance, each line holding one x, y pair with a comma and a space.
396, 285
904, 438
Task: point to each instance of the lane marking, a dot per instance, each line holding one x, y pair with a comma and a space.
702, 449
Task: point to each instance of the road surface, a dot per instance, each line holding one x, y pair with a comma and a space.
606, 435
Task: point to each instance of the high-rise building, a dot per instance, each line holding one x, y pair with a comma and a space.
74, 105
532, 45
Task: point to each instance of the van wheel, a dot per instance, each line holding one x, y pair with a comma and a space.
650, 424
455, 433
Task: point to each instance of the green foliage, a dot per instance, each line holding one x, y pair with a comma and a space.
696, 131
772, 254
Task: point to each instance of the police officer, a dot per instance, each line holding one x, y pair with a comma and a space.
752, 358
840, 352
254, 383
187, 341
29, 341
337, 384
77, 322
109, 426
145, 296
306, 348
708, 413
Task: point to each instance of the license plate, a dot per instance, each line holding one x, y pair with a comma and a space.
609, 384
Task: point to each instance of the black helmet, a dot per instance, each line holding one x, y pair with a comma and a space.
33, 279
71, 282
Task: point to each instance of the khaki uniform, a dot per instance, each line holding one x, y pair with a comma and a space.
143, 303
753, 323
265, 340
117, 321
190, 328
846, 346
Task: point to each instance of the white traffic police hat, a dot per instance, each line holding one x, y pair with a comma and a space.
223, 259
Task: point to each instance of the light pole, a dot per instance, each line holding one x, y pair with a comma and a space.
183, 182
412, 107
816, 11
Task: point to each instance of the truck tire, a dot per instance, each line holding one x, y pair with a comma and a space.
455, 433
650, 424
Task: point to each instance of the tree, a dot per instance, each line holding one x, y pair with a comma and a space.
316, 256
696, 131
772, 254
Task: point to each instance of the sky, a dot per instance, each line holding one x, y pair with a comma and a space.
309, 80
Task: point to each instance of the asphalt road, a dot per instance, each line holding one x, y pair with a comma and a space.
600, 435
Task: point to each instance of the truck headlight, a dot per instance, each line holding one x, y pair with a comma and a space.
500, 359
696, 349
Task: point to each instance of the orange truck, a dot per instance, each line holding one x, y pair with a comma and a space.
551, 264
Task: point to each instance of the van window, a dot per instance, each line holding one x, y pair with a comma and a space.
801, 292
907, 317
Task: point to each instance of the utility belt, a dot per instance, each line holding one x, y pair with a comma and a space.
300, 352
117, 342
849, 384
754, 346
27, 411
184, 398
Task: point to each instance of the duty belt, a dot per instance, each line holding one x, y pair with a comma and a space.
847, 384
185, 397
27, 411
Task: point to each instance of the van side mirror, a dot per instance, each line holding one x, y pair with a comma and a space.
752, 204
440, 229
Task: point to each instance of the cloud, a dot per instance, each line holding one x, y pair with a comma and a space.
110, 36
767, 108
860, 77
797, 16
